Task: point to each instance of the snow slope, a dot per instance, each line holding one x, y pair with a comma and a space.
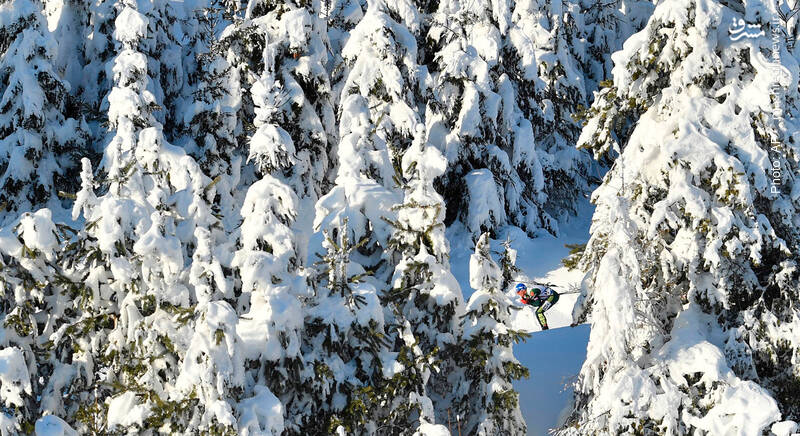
553, 357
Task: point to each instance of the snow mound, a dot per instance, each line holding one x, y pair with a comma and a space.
130, 26
261, 415
14, 378
427, 429
125, 411
51, 425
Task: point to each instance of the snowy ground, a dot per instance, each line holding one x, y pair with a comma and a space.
553, 357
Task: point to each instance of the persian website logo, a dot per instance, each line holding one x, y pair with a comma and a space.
739, 29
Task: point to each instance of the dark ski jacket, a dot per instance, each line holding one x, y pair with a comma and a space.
537, 296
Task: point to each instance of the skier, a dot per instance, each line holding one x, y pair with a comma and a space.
540, 296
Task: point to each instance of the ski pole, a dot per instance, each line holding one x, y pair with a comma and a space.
550, 285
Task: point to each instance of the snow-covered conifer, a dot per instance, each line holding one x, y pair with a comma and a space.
271, 325
68, 21
207, 110
345, 345
483, 392
692, 260
508, 264
555, 32
277, 50
39, 140
341, 17
162, 45
282, 66
606, 26
424, 295
34, 370
378, 115
379, 111
381, 83
213, 369
96, 80
291, 106
132, 253
480, 115
214, 95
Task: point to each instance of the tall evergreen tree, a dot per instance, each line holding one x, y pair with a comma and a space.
276, 53
271, 286
376, 123
692, 260
345, 346
131, 257
480, 116
484, 395
555, 29
35, 362
40, 139
425, 297
378, 115
213, 370
285, 41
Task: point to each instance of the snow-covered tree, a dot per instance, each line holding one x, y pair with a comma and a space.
68, 21
271, 327
345, 346
692, 285
213, 95
257, 351
96, 81
131, 257
425, 297
293, 116
508, 264
484, 395
554, 29
377, 118
162, 45
39, 139
378, 94
213, 369
606, 26
480, 115
341, 17
35, 368
207, 109
278, 53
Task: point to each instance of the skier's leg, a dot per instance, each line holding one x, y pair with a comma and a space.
540, 315
542, 309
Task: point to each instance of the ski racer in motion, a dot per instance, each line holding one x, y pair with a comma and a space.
541, 297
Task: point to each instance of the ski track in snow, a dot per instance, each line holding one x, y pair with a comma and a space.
554, 357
